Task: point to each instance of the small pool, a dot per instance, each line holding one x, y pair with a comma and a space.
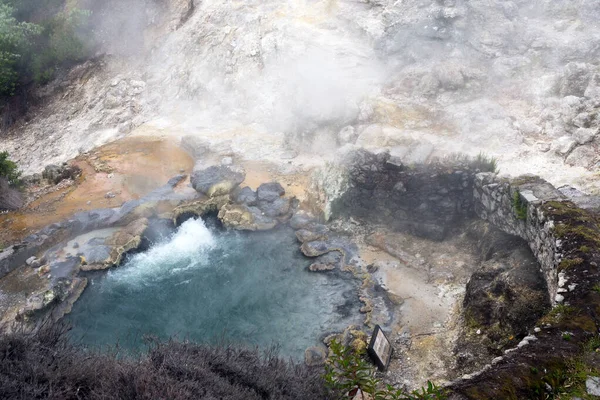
215, 286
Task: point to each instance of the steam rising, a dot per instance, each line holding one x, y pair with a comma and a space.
508, 78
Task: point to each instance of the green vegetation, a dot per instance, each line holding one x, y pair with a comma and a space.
519, 206
558, 314
569, 263
36, 39
9, 170
348, 371
485, 163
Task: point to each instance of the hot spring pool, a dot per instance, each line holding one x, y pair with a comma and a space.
215, 286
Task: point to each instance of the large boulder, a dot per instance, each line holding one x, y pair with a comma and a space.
55, 173
270, 191
217, 180
10, 199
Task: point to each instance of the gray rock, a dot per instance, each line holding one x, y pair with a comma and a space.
99, 254
450, 76
315, 356
564, 145
54, 173
575, 79
305, 235
347, 135
270, 191
429, 85
327, 262
246, 196
315, 248
194, 145
32, 262
217, 180
278, 208
593, 90
592, 385
243, 217
583, 156
10, 199
584, 135
301, 219
582, 120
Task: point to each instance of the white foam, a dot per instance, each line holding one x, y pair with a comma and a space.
186, 249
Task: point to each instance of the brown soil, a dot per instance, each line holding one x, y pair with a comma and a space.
129, 168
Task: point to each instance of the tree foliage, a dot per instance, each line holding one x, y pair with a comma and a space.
37, 37
9, 170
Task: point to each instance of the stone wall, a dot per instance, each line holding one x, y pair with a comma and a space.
426, 200
515, 206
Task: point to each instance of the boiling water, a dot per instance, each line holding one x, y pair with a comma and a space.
212, 286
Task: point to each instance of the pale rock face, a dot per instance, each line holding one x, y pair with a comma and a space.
260, 79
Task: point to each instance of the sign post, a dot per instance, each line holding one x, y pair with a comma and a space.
380, 349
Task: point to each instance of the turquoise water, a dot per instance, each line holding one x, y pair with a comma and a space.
216, 286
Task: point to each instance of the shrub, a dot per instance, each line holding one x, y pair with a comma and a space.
15, 42
9, 170
36, 38
348, 371
45, 365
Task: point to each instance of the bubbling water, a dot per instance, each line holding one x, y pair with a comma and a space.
212, 286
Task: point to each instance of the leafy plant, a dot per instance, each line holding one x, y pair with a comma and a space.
15, 41
9, 170
519, 206
348, 372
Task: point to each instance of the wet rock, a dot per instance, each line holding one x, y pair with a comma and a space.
10, 199
243, 217
200, 207
315, 248
327, 262
217, 180
315, 356
278, 208
246, 196
126, 239
301, 219
305, 235
270, 191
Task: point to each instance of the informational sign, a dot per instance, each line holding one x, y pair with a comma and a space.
380, 349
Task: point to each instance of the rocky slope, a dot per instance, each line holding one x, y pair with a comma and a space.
271, 80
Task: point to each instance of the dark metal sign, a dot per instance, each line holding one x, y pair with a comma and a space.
380, 349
